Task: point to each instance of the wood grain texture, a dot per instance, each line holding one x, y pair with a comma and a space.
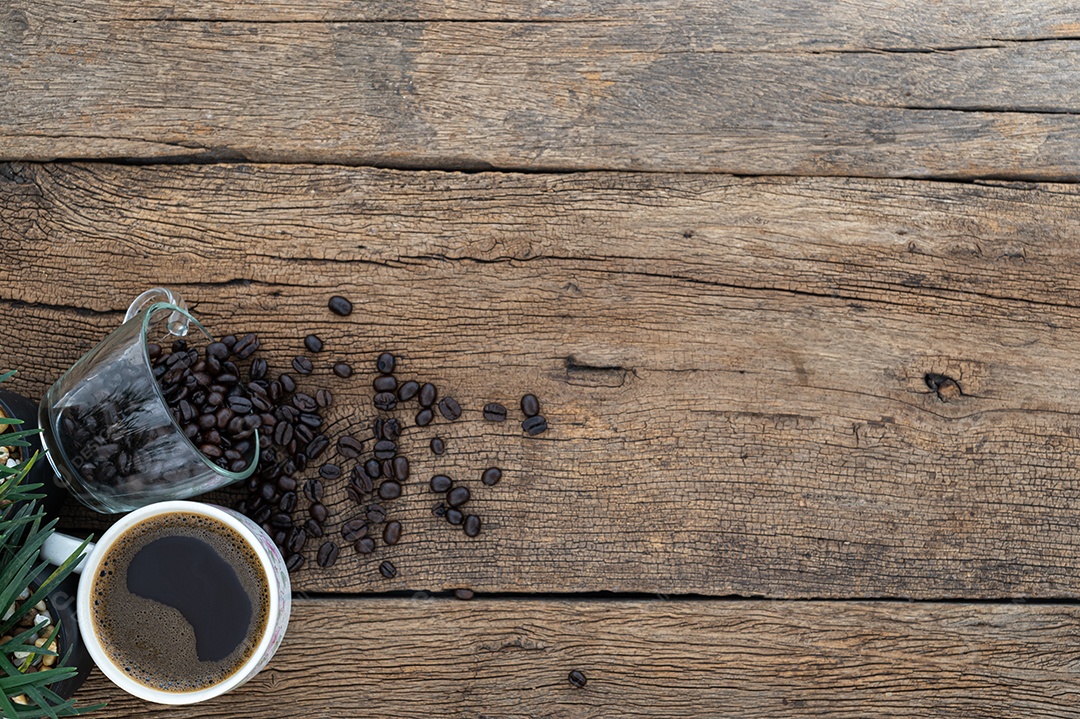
415, 658
895, 89
734, 370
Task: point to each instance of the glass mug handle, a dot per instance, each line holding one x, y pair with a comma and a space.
178, 322
59, 547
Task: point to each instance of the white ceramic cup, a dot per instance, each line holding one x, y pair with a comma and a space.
60, 546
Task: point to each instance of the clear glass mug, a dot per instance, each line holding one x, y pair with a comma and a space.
106, 427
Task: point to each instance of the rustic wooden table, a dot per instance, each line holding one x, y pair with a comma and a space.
798, 283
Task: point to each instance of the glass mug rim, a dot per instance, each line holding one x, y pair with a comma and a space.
147, 315
89, 570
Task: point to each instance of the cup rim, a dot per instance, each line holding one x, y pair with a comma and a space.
115, 673
145, 320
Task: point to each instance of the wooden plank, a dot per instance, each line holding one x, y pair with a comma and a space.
734, 369
820, 88
413, 658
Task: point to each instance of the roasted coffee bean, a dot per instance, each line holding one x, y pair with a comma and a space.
304, 434
240, 404
317, 446
455, 516
439, 510
210, 450
340, 306
262, 515
313, 490
258, 369
491, 476
534, 425
288, 502
313, 528
217, 350
298, 540
401, 468
294, 562
324, 398
287, 383
283, 433
302, 365
530, 405
354, 494
408, 390
385, 363
153, 350
388, 570
449, 408
577, 679
494, 412
387, 467
328, 554
438, 446
457, 496
364, 545
441, 483
225, 415
371, 468
225, 378
354, 529
463, 594
343, 370
304, 402
390, 489
385, 383
428, 395
313, 343
187, 411
319, 512
391, 533
376, 427
207, 421
376, 513
311, 419
385, 401
286, 484
424, 417
361, 480
391, 429
385, 449
280, 519
246, 346
350, 447
329, 471
472, 525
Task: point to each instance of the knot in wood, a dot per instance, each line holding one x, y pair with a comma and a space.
945, 387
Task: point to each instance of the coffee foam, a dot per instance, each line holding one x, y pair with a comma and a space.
152, 642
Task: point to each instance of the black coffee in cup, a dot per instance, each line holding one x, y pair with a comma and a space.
180, 602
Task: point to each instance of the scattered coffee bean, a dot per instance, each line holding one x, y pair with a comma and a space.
313, 490
391, 429
385, 383
323, 398
388, 570
408, 390
371, 468
390, 489
329, 471
385, 401
328, 554
385, 363
313, 528
491, 476
354, 529
317, 446
364, 545
428, 395
302, 365
376, 513
288, 385
287, 503
463, 594
439, 510
246, 346
298, 540
457, 496
530, 405
304, 402
472, 525
343, 370
361, 480
313, 343
424, 417
441, 483
401, 468
258, 369
455, 516
494, 412
534, 425
438, 446
350, 447
449, 408
392, 533
294, 562
319, 512
340, 306
353, 493
578, 679
385, 449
